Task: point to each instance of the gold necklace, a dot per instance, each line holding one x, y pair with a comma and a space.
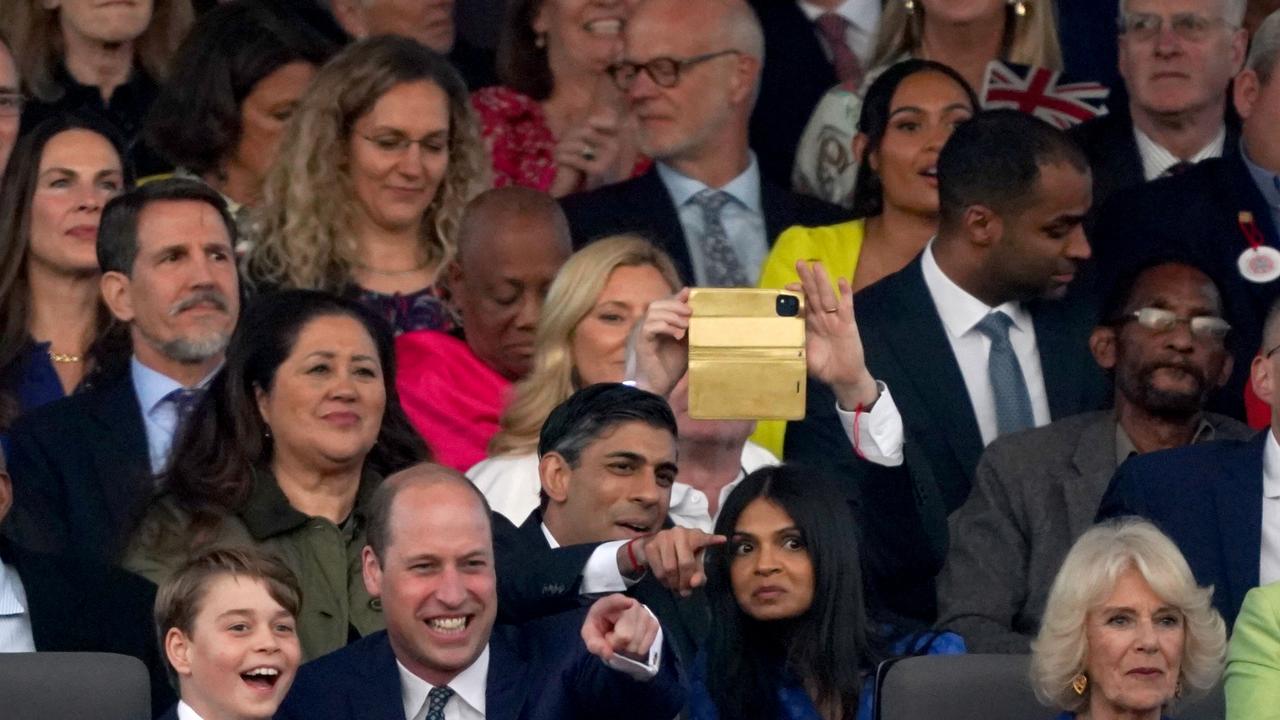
64, 359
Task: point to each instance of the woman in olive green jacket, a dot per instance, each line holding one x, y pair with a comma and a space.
283, 453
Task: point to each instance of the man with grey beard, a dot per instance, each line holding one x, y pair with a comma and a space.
83, 467
1035, 492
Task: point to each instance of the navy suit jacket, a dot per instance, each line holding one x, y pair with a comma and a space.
1208, 499
79, 606
795, 76
907, 348
1195, 217
642, 205
170, 714
539, 671
81, 472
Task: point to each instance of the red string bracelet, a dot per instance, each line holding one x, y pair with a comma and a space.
857, 437
631, 557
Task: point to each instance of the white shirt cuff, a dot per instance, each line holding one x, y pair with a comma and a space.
879, 434
634, 669
601, 574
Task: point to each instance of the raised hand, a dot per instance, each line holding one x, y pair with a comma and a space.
674, 556
660, 343
617, 624
832, 344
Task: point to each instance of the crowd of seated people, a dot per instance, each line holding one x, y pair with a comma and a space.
345, 358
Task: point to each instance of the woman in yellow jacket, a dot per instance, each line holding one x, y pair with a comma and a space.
907, 116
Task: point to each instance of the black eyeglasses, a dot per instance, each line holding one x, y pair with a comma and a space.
664, 71
1207, 327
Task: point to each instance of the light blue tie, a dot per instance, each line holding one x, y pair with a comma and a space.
723, 268
1013, 404
436, 700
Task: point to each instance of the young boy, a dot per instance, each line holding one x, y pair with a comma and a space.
226, 622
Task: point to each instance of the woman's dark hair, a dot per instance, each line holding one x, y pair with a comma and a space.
16, 194
214, 456
828, 648
195, 122
877, 103
521, 64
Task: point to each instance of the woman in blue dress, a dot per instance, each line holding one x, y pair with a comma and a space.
791, 638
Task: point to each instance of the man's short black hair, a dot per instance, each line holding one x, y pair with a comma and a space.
994, 159
596, 409
118, 229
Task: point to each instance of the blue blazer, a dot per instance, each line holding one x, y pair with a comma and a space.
1208, 499
538, 671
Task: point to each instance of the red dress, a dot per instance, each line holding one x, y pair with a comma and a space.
521, 146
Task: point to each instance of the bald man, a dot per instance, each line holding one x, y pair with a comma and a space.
511, 243
704, 202
430, 561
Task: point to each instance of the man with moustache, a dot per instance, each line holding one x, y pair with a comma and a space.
83, 466
1165, 342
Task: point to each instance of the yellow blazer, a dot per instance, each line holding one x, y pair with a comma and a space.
838, 247
1253, 662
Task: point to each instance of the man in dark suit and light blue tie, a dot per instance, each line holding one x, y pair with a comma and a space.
430, 562
82, 466
1220, 502
970, 338
704, 202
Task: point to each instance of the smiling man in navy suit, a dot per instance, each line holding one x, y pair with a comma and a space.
430, 562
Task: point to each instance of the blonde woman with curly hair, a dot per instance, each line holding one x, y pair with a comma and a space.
365, 196
88, 55
963, 36
590, 309
1126, 629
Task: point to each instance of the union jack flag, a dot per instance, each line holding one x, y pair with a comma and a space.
1041, 92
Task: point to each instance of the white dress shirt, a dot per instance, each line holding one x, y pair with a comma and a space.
860, 33
689, 507
186, 712
743, 218
467, 701
1269, 563
160, 418
15, 621
600, 575
960, 313
1156, 160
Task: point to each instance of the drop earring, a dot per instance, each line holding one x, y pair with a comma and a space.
1019, 7
1079, 683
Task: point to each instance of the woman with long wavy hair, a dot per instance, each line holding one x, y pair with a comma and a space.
378, 161
590, 309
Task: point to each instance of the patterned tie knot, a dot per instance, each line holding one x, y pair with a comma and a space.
184, 401
711, 201
1178, 168
832, 26
436, 700
995, 326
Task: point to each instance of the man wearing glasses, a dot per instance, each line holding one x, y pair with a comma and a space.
1177, 58
691, 94
10, 103
1034, 493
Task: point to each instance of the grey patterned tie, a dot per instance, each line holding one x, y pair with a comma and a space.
1013, 404
723, 269
436, 700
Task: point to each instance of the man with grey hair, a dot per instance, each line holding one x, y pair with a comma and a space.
692, 94
1177, 58
82, 466
1224, 214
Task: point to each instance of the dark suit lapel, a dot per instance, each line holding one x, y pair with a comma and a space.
1238, 494
1071, 377
507, 687
779, 209
1094, 463
653, 203
1123, 167
51, 602
378, 696
915, 337
122, 458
